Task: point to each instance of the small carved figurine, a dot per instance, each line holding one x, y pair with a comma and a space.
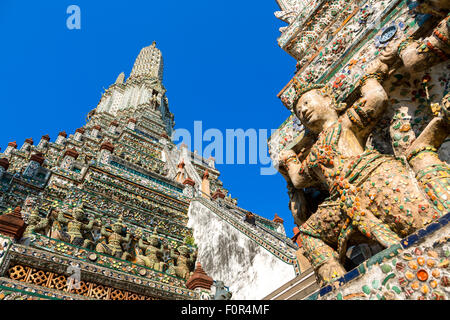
115, 240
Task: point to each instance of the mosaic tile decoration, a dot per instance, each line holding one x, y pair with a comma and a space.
270, 243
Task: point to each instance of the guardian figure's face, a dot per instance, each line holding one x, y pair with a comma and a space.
314, 110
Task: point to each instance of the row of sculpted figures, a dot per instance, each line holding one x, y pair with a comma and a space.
73, 225
372, 198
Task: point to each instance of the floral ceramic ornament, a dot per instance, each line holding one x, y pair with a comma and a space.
389, 33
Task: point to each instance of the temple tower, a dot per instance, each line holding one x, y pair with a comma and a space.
149, 64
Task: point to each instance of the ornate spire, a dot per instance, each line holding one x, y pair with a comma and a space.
12, 224
38, 157
218, 194
71, 153
149, 64
154, 234
120, 78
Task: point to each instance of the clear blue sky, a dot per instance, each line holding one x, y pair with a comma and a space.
222, 66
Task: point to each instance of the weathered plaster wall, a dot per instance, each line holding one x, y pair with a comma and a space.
249, 270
